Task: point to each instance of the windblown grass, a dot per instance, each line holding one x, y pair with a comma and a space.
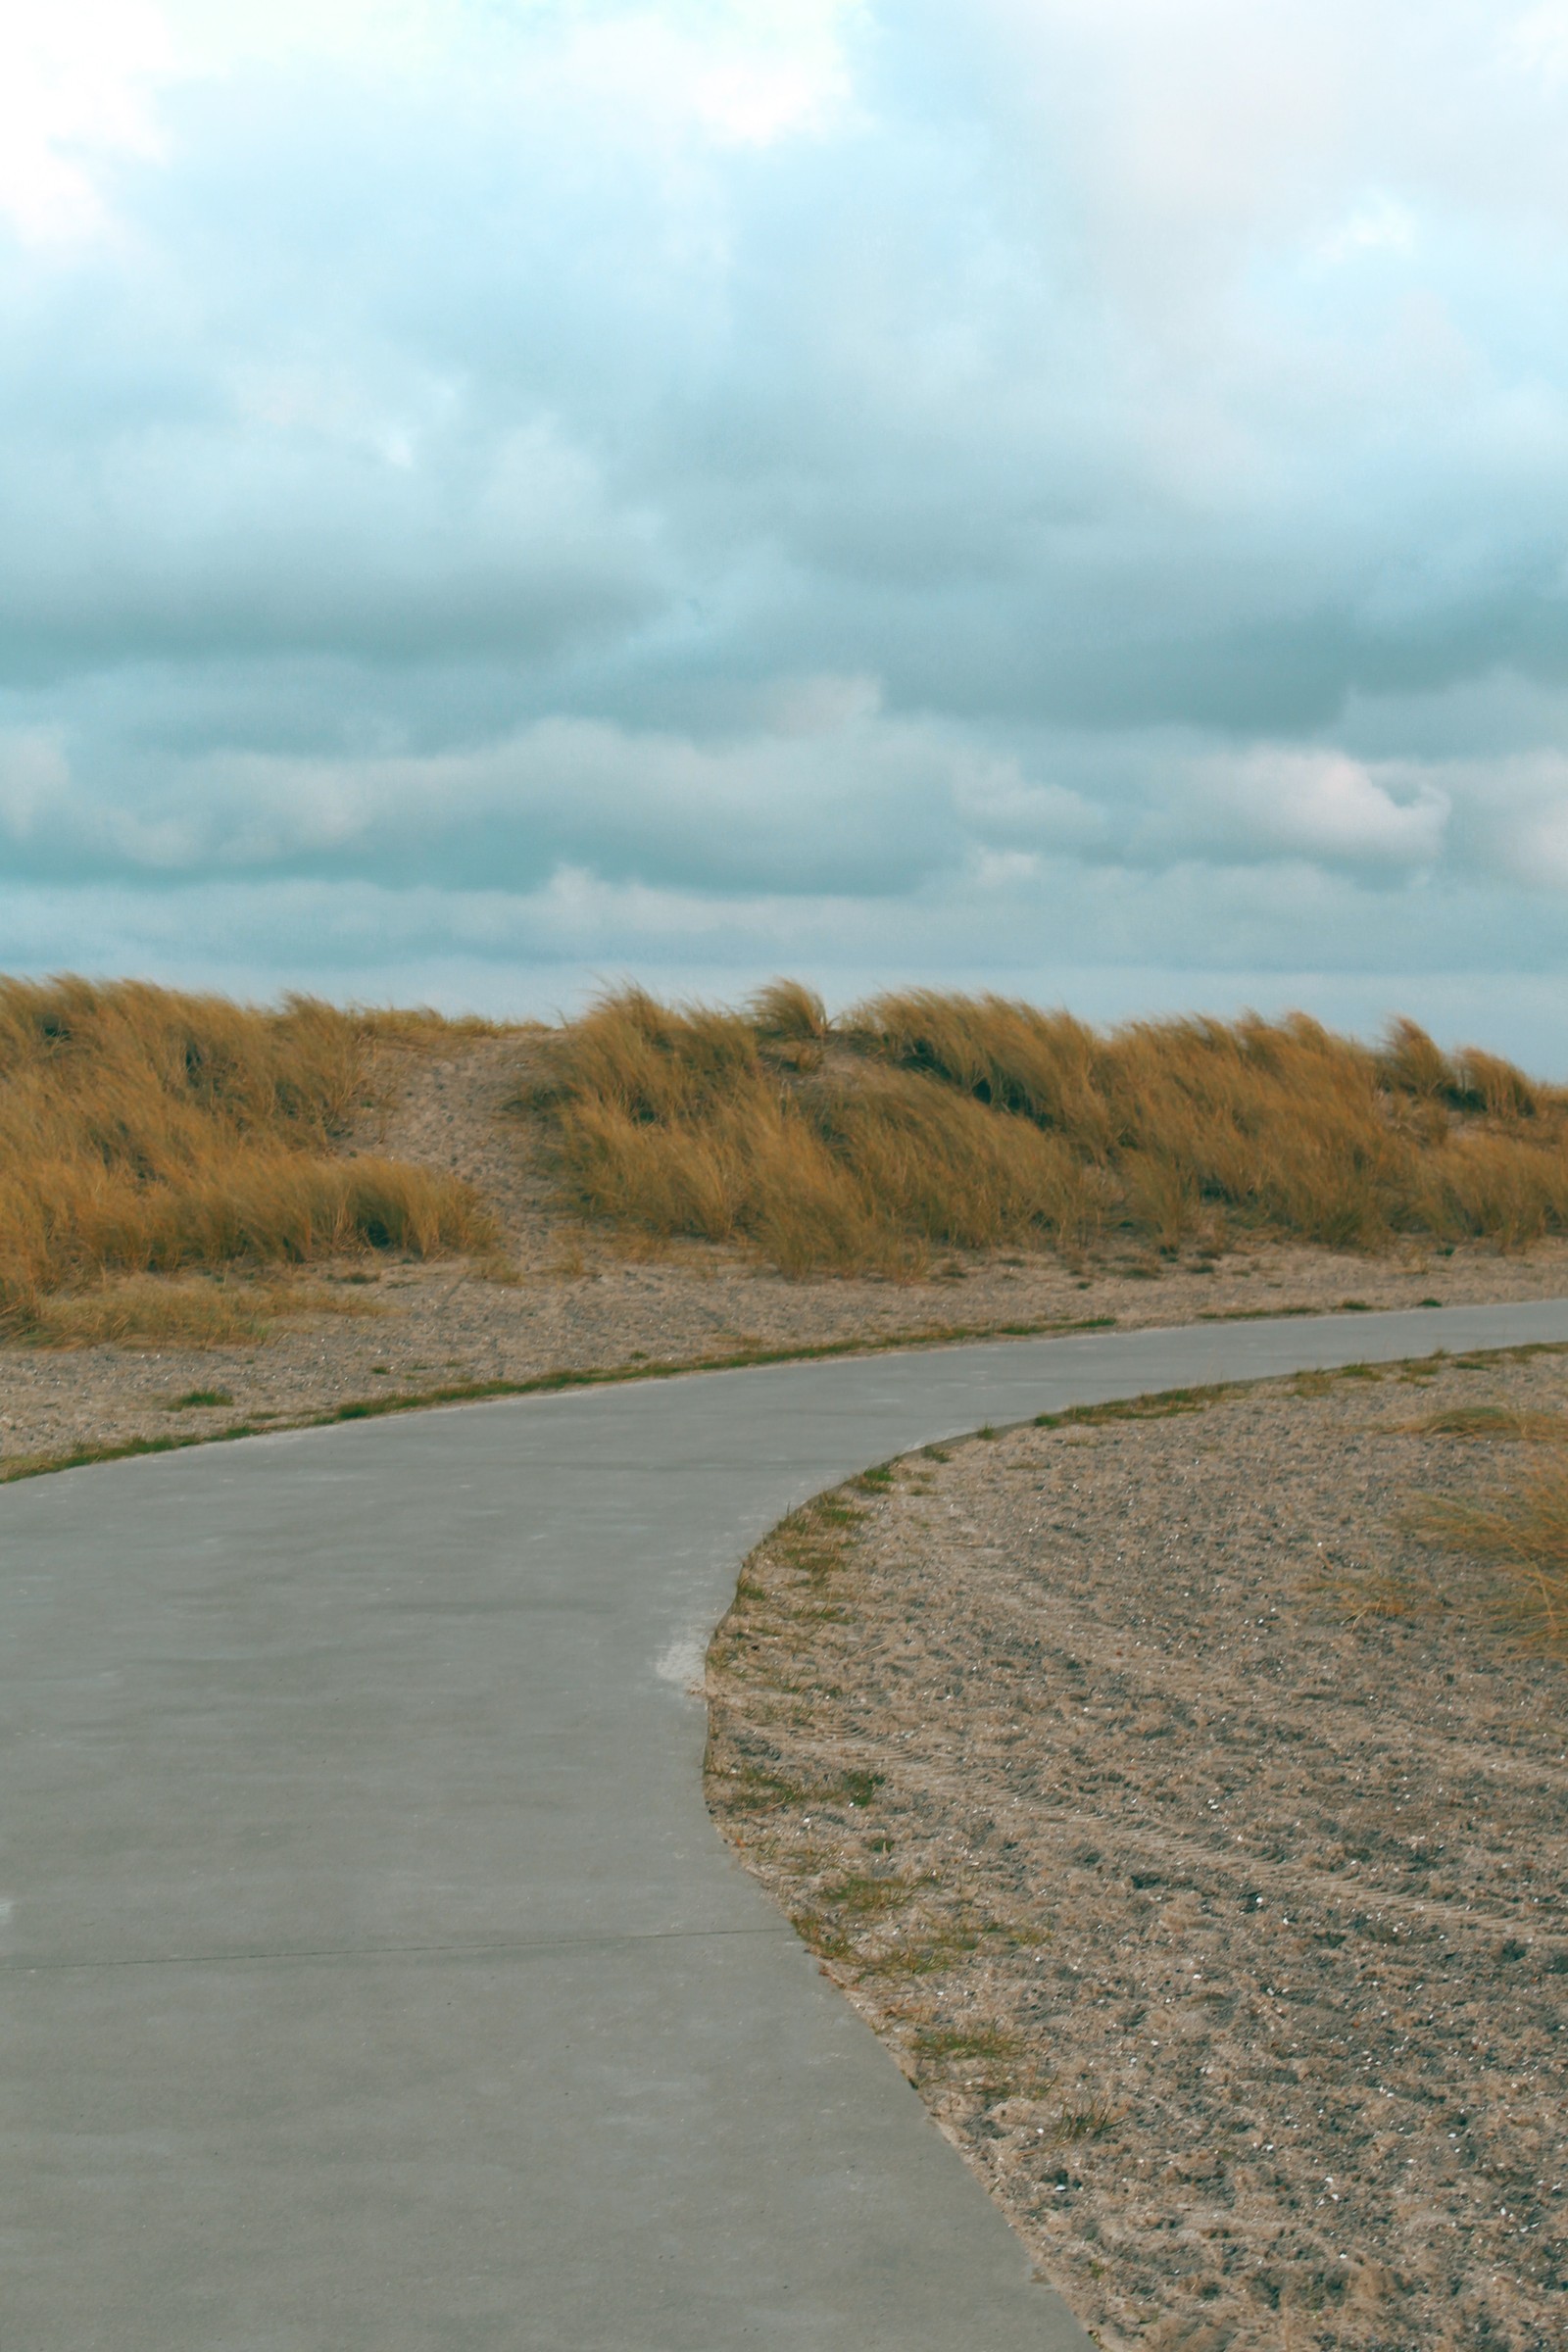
1522, 1536
1498, 1422
145, 1132
974, 1122
149, 1310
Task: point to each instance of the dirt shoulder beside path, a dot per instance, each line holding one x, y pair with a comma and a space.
577, 1301
1199, 1847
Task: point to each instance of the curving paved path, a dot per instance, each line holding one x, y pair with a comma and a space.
373, 1978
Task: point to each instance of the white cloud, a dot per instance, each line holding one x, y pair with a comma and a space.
1512, 816
1539, 847
34, 779
1322, 805
746, 75
1378, 224
1536, 42
79, 80
75, 79
863, 803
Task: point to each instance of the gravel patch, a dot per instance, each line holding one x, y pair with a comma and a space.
1199, 1843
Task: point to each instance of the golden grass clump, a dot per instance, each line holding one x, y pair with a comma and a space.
926, 1119
685, 1123
1499, 1423
786, 1012
1522, 1536
149, 1310
143, 1131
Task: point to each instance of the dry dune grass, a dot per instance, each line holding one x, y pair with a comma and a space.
145, 1132
1520, 1533
152, 1310
923, 1120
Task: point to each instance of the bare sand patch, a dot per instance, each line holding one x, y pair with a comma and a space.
1197, 1839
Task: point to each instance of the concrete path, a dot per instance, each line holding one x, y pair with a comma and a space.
373, 1978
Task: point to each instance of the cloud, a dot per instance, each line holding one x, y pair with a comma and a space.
836, 799
954, 478
1377, 226
1321, 805
307, 524
77, 82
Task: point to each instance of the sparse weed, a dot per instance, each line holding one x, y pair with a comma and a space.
497, 1267
1161, 1405
989, 2059
989, 2042
1380, 1594
763, 1793
928, 1954
1092, 2121
861, 1895
829, 1511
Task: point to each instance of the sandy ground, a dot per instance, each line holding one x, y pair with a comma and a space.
582, 1301
1200, 1844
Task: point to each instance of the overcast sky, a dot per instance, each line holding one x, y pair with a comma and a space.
1062, 495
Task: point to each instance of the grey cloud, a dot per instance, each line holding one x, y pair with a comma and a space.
562, 407
1256, 928
856, 805
445, 503
190, 550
